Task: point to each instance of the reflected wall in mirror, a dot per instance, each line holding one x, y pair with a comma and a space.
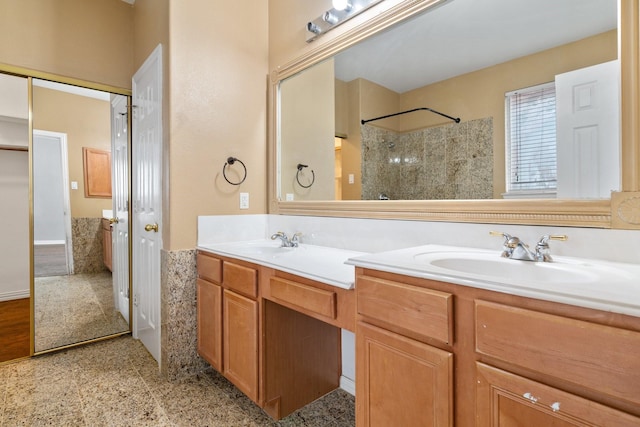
78, 289
14, 219
460, 58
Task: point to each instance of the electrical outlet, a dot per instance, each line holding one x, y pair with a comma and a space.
244, 200
351, 178
289, 197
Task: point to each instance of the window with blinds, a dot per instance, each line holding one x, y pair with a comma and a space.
531, 139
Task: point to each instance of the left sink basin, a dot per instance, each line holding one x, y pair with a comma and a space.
262, 248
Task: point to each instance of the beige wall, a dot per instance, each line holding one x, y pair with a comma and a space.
87, 123
218, 82
150, 27
307, 133
88, 40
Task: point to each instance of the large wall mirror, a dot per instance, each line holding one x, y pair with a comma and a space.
79, 240
468, 60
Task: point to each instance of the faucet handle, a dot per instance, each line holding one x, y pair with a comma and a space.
295, 239
545, 239
277, 234
509, 244
542, 247
500, 234
509, 240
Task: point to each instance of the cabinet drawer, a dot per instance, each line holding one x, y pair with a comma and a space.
241, 279
425, 312
504, 396
209, 268
600, 358
316, 300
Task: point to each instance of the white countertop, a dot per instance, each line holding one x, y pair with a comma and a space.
320, 263
596, 284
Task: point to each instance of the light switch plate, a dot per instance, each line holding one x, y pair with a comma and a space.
74, 185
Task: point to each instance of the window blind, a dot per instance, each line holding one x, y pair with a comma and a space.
531, 138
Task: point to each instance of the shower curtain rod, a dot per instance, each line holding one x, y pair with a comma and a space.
455, 119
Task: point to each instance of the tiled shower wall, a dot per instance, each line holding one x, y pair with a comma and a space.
454, 161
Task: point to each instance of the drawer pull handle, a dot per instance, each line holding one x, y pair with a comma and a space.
555, 406
530, 397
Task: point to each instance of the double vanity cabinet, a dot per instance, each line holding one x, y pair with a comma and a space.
428, 352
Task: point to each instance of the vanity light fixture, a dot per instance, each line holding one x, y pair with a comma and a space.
341, 11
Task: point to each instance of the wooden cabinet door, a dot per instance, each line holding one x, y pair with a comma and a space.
240, 342
210, 323
508, 400
107, 250
400, 381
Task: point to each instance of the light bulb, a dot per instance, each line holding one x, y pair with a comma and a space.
341, 4
330, 18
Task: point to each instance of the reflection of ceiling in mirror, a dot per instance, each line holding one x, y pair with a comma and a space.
461, 36
76, 90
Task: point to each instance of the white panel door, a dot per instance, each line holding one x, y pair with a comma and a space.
147, 200
51, 198
120, 206
588, 136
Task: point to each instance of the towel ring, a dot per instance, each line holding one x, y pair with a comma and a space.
230, 161
313, 176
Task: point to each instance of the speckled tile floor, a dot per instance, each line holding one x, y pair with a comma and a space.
74, 308
116, 383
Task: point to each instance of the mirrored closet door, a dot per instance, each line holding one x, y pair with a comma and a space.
14, 218
80, 214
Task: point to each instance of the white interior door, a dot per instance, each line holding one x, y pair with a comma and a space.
588, 136
147, 201
120, 206
51, 199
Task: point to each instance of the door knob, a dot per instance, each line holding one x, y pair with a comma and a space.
151, 227
113, 221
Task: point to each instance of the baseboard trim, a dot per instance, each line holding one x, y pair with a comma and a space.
348, 385
10, 296
48, 242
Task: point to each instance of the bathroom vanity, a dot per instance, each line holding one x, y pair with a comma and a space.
443, 335
273, 334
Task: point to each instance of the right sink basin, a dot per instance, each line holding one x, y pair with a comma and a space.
600, 284
491, 265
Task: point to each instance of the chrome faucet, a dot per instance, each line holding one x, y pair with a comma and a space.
286, 242
514, 248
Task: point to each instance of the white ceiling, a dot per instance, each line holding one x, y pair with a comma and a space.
460, 36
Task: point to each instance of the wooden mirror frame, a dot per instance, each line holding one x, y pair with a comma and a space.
621, 211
